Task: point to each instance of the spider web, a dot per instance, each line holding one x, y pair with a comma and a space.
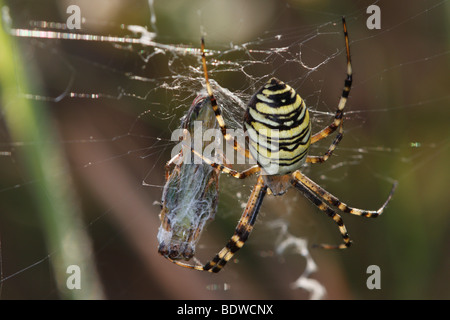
117, 89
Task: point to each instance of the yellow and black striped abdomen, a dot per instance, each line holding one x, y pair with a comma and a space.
278, 127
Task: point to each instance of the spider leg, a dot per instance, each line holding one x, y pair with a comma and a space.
325, 208
337, 139
338, 118
241, 234
236, 174
334, 201
217, 111
171, 163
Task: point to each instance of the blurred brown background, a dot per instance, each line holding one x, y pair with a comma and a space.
396, 129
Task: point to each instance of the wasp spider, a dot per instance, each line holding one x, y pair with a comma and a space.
277, 107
